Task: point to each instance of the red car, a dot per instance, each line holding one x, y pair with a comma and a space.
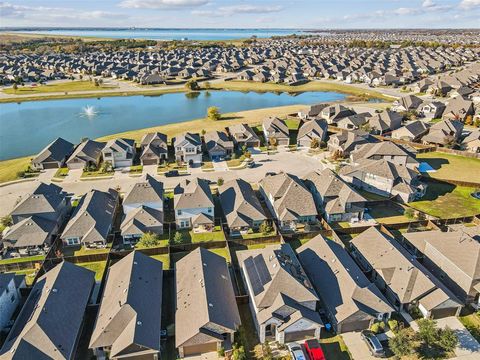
313, 349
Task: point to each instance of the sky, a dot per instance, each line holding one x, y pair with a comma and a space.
298, 14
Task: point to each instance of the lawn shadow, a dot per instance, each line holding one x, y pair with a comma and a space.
231, 117
437, 189
333, 350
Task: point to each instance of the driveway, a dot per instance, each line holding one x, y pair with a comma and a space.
207, 356
357, 346
46, 175
73, 175
468, 347
220, 165
150, 170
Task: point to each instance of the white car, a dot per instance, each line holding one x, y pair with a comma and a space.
296, 351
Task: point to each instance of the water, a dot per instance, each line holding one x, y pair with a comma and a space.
26, 128
168, 34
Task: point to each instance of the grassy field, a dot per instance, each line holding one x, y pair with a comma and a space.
67, 86
310, 86
9, 169
452, 167
444, 200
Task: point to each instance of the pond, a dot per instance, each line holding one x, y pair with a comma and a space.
26, 128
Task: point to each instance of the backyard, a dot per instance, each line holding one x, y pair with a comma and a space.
188, 236
451, 167
98, 267
444, 200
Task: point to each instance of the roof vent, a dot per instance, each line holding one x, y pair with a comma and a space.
210, 304
139, 323
54, 290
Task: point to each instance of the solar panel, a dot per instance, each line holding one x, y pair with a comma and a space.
262, 269
252, 273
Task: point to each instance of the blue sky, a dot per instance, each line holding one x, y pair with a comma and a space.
243, 13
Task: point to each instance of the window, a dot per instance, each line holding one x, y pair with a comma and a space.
108, 154
73, 241
179, 212
12, 299
209, 210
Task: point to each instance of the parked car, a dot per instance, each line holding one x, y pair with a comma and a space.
251, 164
314, 350
374, 345
172, 173
296, 351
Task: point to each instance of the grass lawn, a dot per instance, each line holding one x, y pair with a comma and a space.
164, 239
472, 323
255, 235
22, 259
334, 348
444, 200
87, 174
164, 258
29, 275
388, 214
190, 237
136, 169
296, 243
82, 250
310, 86
67, 86
223, 252
96, 266
61, 172
452, 167
9, 169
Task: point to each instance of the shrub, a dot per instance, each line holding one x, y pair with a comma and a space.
427, 331
401, 344
213, 113
377, 327
178, 238
149, 240
265, 228
220, 181
192, 85
409, 213
221, 352
393, 325
447, 339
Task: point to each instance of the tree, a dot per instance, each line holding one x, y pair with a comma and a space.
409, 213
238, 353
15, 87
265, 228
427, 331
447, 339
149, 239
247, 154
314, 144
273, 141
192, 85
178, 237
6, 221
393, 325
401, 344
220, 181
213, 113
203, 132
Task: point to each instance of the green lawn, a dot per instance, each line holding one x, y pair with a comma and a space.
223, 252
98, 173
164, 258
82, 250
10, 169
452, 167
444, 200
334, 348
388, 214
23, 259
67, 86
164, 240
472, 323
190, 237
255, 235
96, 266
29, 275
61, 172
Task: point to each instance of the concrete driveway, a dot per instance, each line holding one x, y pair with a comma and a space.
357, 346
150, 170
468, 347
220, 165
46, 175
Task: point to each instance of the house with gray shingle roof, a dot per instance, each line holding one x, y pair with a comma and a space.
472, 142
188, 148
346, 141
218, 145
51, 320
388, 150
92, 220
206, 315
87, 154
404, 281
312, 129
241, 207
333, 113
432, 109
154, 148
193, 205
53, 155
458, 109
283, 302
351, 301
289, 200
276, 130
127, 325
444, 133
413, 131
119, 152
385, 121
244, 135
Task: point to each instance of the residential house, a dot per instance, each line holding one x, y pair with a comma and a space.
312, 111
385, 122
92, 220
53, 155
432, 109
351, 301
193, 205
314, 129
119, 152
453, 257
335, 198
87, 154
472, 142
412, 132
154, 148
241, 207
385, 178
276, 131
218, 145
51, 320
444, 133
289, 200
333, 113
283, 303
346, 141
353, 122
10, 297
244, 135
206, 314
423, 86
37, 220
188, 148
385, 150
128, 326
458, 109
404, 281
407, 103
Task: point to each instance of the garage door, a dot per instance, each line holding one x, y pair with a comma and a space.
150, 162
299, 335
50, 165
199, 349
354, 326
441, 313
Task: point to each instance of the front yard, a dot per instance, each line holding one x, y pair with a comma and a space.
12, 169
444, 200
472, 323
451, 167
334, 347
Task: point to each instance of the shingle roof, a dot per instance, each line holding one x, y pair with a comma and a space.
31, 231
88, 150
147, 190
131, 307
45, 198
141, 220
193, 194
57, 150
313, 128
51, 319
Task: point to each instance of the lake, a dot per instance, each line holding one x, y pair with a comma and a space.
167, 34
26, 128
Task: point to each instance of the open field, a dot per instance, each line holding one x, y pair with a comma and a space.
66, 86
9, 169
452, 167
7, 38
310, 86
444, 200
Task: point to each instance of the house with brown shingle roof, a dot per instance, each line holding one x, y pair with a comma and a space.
403, 280
312, 129
275, 129
444, 132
